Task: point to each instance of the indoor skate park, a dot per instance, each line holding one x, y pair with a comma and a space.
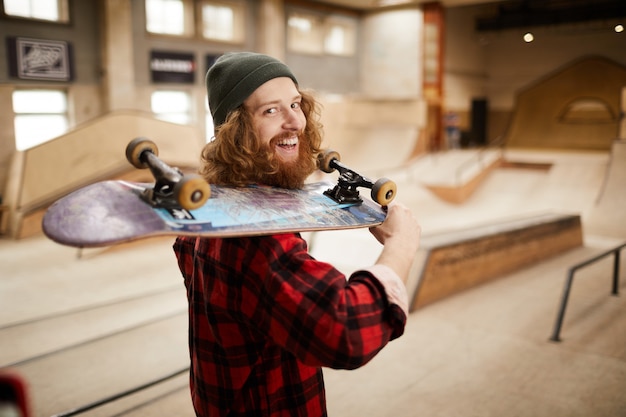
502, 124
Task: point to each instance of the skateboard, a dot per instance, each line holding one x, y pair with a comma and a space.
111, 212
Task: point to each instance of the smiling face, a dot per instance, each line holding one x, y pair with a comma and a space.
277, 117
274, 138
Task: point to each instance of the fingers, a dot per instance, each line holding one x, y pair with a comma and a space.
400, 223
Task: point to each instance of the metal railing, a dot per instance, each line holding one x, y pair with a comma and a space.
478, 158
556, 333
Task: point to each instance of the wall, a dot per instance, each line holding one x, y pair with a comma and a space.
379, 121
144, 42
313, 70
496, 65
391, 60
465, 71
577, 107
83, 91
386, 70
102, 84
82, 33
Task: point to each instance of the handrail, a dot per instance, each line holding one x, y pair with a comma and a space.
570, 278
498, 143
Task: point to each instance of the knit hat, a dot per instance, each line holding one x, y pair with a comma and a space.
235, 75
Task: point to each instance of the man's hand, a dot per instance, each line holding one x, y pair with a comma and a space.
400, 235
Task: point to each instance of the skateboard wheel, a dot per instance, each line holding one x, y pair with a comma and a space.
136, 148
384, 191
192, 192
325, 158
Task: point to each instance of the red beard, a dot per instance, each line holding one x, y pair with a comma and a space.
274, 171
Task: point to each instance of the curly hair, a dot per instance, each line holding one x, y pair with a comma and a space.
237, 157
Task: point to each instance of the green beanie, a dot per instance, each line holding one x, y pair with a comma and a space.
235, 75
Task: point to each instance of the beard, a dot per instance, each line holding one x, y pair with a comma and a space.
292, 174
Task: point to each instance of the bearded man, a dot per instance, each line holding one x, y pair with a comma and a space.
264, 315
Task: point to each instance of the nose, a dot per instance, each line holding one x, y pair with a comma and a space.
294, 120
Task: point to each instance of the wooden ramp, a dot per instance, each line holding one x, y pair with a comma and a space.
453, 262
94, 336
576, 107
455, 175
91, 152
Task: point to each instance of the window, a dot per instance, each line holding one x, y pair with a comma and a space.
588, 110
169, 17
340, 38
40, 115
172, 106
312, 34
305, 33
53, 10
222, 21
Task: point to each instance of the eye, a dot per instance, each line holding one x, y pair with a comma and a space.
271, 110
296, 105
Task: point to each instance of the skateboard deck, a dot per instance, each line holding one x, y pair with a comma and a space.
110, 212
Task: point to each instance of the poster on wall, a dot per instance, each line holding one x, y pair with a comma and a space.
39, 59
172, 67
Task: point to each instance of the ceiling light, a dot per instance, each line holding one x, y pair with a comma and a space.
528, 37
385, 3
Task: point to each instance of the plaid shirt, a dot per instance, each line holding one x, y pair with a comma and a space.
264, 317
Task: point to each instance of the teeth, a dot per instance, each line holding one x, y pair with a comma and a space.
288, 142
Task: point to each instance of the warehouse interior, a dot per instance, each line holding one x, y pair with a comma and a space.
502, 123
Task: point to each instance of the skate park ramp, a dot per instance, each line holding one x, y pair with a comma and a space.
456, 176
553, 192
93, 151
528, 182
576, 107
456, 261
374, 136
608, 215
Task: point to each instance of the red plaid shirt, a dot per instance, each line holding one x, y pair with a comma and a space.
264, 317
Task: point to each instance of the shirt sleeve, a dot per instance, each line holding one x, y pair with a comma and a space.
313, 311
395, 292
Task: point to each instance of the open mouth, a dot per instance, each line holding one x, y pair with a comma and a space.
288, 144
287, 148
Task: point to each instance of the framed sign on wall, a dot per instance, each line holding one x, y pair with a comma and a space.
172, 67
38, 59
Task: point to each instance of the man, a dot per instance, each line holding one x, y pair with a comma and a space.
264, 316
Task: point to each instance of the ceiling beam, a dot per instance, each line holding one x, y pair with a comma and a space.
531, 13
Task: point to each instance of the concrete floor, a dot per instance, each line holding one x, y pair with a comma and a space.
82, 330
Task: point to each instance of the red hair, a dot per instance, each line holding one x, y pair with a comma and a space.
237, 157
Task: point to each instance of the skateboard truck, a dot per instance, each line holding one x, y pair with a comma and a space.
172, 189
383, 190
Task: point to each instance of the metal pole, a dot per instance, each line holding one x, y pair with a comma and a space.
560, 316
615, 290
